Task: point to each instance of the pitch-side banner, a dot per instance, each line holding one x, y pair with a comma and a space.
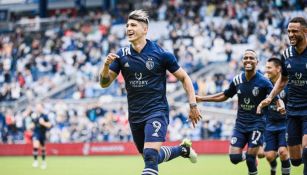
120, 148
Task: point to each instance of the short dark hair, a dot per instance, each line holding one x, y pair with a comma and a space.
275, 60
139, 15
300, 20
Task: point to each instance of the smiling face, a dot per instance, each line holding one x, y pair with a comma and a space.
272, 70
136, 30
249, 61
296, 33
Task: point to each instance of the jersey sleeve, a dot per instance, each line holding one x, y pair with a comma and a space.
231, 91
115, 66
170, 62
284, 71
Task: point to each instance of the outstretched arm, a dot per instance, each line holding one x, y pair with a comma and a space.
182, 76
106, 76
218, 97
278, 87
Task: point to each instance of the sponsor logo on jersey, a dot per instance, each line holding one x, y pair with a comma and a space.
298, 75
247, 100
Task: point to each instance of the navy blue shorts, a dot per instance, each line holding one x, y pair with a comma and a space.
152, 130
39, 137
297, 127
252, 138
274, 140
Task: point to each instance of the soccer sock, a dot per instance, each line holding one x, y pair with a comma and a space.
168, 153
43, 154
251, 164
304, 157
296, 162
237, 158
273, 165
285, 167
151, 157
35, 153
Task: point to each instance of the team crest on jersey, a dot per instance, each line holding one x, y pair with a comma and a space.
233, 140
138, 76
282, 94
255, 91
298, 75
247, 100
150, 64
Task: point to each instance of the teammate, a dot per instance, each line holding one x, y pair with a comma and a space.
294, 73
251, 87
275, 130
144, 65
41, 124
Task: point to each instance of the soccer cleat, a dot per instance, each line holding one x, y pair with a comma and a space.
35, 164
44, 165
188, 151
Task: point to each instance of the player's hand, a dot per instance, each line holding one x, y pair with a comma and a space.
263, 104
110, 58
41, 121
198, 98
194, 115
281, 107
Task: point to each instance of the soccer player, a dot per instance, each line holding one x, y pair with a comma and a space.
143, 65
251, 87
275, 130
41, 124
294, 73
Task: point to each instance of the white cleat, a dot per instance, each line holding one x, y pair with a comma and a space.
44, 165
190, 153
35, 164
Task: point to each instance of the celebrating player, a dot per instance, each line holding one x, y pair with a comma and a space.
251, 87
275, 130
294, 73
144, 65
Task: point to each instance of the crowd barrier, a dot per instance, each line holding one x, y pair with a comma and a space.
114, 148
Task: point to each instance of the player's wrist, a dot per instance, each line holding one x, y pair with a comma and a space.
193, 105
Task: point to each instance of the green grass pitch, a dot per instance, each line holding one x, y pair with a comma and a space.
130, 165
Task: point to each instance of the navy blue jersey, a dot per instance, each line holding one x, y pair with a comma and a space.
39, 129
276, 121
145, 79
250, 94
294, 66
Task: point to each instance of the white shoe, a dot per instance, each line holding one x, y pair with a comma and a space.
190, 153
44, 165
35, 164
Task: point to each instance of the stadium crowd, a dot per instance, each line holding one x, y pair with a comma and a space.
32, 64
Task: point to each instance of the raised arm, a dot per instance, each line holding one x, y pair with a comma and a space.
107, 76
182, 76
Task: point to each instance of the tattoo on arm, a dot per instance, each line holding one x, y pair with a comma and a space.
104, 80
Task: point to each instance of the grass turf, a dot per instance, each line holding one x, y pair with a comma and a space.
130, 165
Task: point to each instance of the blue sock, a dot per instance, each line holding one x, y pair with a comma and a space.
285, 167
169, 152
151, 157
251, 164
273, 165
304, 157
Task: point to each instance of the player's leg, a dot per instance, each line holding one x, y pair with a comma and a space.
237, 143
255, 139
294, 130
271, 148
304, 155
283, 153
35, 150
261, 153
43, 149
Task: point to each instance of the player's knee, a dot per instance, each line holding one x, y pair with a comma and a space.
270, 157
235, 158
150, 157
296, 162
